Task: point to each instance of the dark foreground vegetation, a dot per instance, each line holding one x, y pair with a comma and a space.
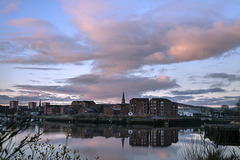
31, 147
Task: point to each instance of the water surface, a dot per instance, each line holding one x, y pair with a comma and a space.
112, 142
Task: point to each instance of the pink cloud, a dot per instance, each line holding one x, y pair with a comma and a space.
118, 42
162, 78
9, 8
134, 41
191, 43
26, 22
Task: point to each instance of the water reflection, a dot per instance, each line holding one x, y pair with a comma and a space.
140, 135
122, 142
163, 137
155, 137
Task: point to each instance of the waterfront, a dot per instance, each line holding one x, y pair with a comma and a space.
121, 142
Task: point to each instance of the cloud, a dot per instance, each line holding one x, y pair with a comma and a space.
40, 42
23, 100
118, 39
50, 89
179, 99
106, 86
129, 41
6, 90
8, 47
223, 76
102, 87
37, 68
198, 91
5, 99
8, 8
215, 101
192, 43
25, 22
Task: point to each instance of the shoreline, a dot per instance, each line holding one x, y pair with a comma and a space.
132, 120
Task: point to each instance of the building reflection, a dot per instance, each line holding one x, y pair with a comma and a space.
103, 131
155, 137
53, 128
139, 138
163, 137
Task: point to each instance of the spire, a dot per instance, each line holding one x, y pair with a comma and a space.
40, 106
123, 99
40, 103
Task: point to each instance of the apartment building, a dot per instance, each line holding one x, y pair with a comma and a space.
32, 105
163, 107
13, 105
139, 106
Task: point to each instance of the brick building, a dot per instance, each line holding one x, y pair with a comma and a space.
69, 110
174, 109
82, 110
85, 107
13, 105
162, 107
32, 105
111, 110
124, 108
139, 106
45, 104
88, 104
54, 109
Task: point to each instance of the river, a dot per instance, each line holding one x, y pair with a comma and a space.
112, 142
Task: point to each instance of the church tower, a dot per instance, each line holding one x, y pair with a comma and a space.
123, 99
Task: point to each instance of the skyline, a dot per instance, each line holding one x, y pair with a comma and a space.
67, 50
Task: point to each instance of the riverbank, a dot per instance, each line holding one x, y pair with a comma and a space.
133, 120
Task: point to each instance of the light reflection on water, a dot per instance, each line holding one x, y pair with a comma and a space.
111, 142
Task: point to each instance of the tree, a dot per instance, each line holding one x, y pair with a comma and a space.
8, 149
226, 110
238, 104
225, 107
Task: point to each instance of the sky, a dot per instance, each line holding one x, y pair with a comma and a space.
66, 50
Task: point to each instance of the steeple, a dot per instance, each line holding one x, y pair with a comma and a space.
123, 99
40, 103
40, 106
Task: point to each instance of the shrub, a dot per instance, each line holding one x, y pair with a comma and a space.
38, 150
